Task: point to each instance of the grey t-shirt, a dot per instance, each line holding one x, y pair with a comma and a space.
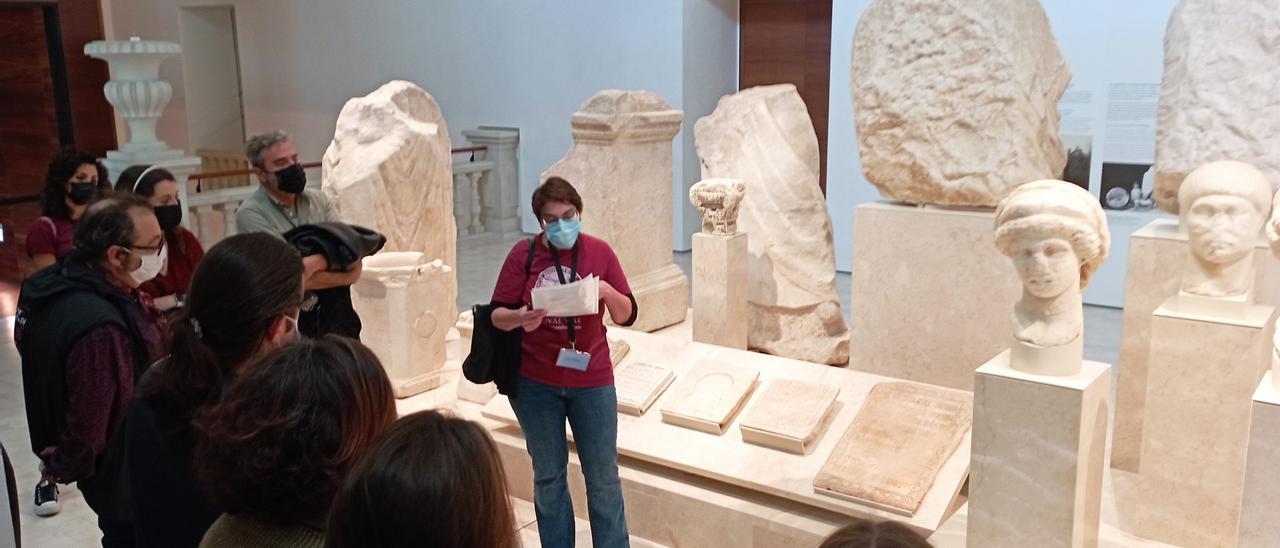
262, 213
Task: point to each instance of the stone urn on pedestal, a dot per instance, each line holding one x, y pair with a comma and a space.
139, 96
403, 301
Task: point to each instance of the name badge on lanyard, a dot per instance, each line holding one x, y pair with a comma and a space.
573, 359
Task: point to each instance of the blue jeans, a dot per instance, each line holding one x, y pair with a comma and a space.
593, 416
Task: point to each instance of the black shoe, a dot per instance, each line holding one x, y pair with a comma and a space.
47, 498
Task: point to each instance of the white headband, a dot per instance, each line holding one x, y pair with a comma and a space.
141, 175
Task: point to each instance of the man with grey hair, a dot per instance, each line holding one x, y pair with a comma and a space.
283, 202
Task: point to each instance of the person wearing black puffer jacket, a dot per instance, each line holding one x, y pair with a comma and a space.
85, 333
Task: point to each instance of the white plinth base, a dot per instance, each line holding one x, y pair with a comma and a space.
1038, 456
1053, 361
931, 293
1201, 378
1157, 255
1259, 525
720, 313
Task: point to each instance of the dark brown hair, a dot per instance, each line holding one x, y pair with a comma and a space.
238, 289
62, 168
107, 222
555, 189
432, 480
281, 440
128, 182
873, 534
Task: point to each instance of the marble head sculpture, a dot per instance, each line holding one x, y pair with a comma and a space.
1056, 235
1223, 206
718, 199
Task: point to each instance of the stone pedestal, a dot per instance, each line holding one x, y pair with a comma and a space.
931, 293
720, 314
1258, 523
500, 205
620, 163
1157, 255
1038, 446
1202, 374
402, 300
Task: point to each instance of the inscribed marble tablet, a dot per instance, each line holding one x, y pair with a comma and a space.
793, 409
710, 394
893, 450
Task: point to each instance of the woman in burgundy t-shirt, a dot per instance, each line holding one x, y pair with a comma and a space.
182, 250
565, 370
74, 180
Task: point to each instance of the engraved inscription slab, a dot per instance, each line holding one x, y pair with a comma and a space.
788, 414
709, 396
891, 454
638, 384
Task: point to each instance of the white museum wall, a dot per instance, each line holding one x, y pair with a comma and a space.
1104, 42
523, 64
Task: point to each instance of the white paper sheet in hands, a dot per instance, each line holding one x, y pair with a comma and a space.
580, 298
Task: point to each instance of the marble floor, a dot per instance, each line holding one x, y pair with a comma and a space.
479, 260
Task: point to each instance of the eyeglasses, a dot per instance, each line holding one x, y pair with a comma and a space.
551, 219
157, 249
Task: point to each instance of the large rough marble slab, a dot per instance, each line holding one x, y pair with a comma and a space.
710, 395
620, 163
1218, 95
955, 101
763, 136
389, 168
897, 444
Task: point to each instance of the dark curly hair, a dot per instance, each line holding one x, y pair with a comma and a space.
446, 469
555, 189
281, 440
63, 166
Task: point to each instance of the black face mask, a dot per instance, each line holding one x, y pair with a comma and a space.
82, 193
291, 179
169, 216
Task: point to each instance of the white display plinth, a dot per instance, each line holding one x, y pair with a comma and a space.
932, 296
1201, 377
1259, 525
760, 470
1038, 446
720, 313
1157, 255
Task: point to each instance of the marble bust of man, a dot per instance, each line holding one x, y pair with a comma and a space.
1056, 235
1223, 206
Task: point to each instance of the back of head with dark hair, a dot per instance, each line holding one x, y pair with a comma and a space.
555, 189
61, 168
286, 432
106, 223
872, 534
243, 284
432, 480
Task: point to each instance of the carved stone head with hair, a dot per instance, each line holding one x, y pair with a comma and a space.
1056, 235
1223, 206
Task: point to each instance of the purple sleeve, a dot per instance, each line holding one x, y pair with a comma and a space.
41, 239
99, 371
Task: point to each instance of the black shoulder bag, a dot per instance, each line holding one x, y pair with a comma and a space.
495, 354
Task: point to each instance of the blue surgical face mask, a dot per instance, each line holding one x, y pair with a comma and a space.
563, 233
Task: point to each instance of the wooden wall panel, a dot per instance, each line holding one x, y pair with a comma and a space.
91, 114
789, 41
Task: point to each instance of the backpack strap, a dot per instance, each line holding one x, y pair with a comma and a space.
528, 262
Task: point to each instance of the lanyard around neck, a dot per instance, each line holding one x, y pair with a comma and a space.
573, 275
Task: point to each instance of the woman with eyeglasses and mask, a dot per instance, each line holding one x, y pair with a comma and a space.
182, 250
74, 180
244, 302
565, 370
